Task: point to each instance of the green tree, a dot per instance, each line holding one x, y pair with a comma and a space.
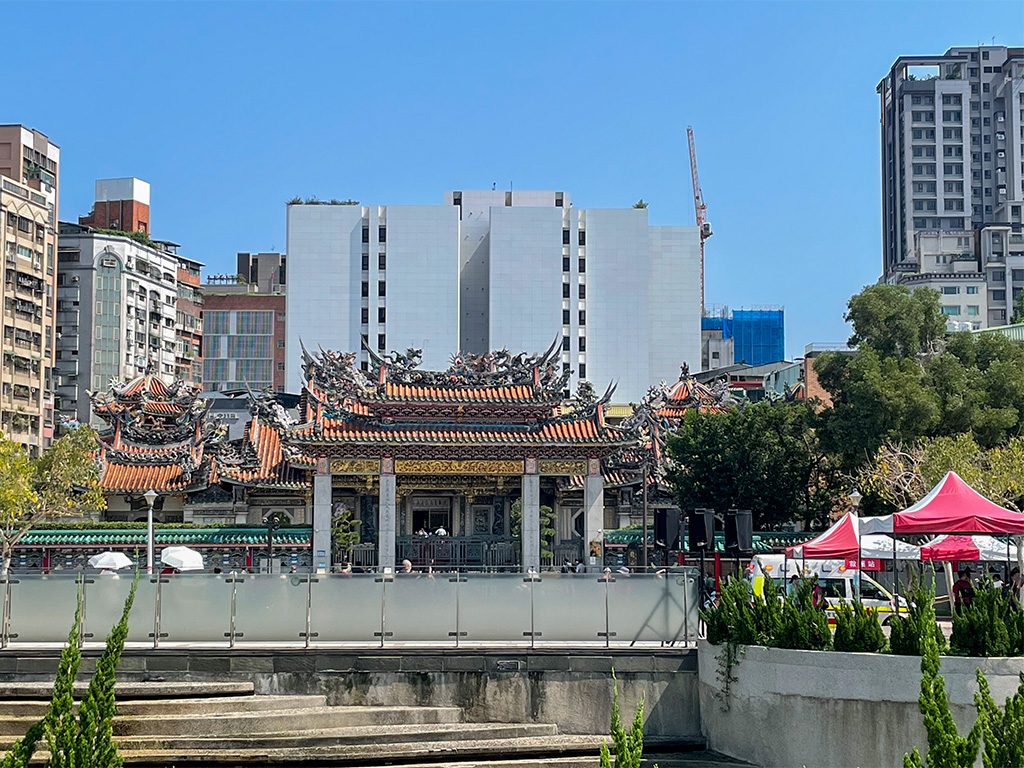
946, 748
547, 527
1002, 731
1018, 309
640, 203
629, 746
766, 458
344, 531
63, 482
895, 322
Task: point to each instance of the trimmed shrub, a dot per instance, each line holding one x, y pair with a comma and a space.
803, 626
1002, 730
906, 632
989, 626
858, 629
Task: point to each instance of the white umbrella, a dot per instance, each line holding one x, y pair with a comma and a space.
110, 561
182, 558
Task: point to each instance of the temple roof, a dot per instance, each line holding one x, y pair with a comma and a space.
497, 399
157, 438
262, 461
687, 394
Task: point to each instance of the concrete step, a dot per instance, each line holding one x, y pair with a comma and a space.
375, 754
212, 705
264, 722
333, 737
133, 690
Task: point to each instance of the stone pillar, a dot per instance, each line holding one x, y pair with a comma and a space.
388, 515
530, 524
593, 510
322, 515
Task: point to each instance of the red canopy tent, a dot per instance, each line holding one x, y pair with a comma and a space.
952, 506
838, 542
970, 548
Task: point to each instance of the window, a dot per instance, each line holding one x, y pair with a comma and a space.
583, 266
565, 317
382, 315
583, 291
565, 237
381, 341
950, 309
583, 237
382, 289
984, 55
972, 309
951, 99
382, 234
583, 317
280, 343
954, 205
565, 290
972, 289
382, 262
365, 316
583, 370
583, 343
565, 264
280, 317
1018, 275
999, 276
280, 366
365, 289
366, 262
998, 295
366, 234
565, 343
951, 290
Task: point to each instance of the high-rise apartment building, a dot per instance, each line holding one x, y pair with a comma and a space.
952, 132
126, 303
493, 270
29, 179
244, 326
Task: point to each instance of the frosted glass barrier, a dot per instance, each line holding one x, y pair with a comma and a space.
346, 608
271, 607
644, 607
420, 606
570, 607
42, 607
195, 607
104, 600
495, 607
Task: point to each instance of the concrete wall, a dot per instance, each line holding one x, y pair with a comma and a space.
571, 688
823, 709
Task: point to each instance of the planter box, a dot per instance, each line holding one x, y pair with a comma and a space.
823, 709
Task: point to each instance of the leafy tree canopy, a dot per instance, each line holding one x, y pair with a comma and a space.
765, 458
894, 321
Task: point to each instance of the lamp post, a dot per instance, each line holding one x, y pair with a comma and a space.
150, 497
855, 497
273, 522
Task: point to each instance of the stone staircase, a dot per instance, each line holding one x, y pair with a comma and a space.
225, 724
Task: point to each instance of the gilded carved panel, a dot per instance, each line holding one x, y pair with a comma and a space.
355, 467
563, 467
457, 467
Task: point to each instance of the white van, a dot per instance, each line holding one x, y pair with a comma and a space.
838, 582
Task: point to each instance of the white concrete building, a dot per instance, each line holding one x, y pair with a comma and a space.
494, 269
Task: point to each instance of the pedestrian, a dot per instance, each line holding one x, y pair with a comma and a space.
963, 590
997, 579
793, 587
407, 566
1013, 588
579, 567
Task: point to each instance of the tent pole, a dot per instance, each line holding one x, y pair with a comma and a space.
895, 577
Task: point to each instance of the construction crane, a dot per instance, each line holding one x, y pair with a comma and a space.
701, 210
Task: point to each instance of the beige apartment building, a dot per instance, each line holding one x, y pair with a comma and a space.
29, 177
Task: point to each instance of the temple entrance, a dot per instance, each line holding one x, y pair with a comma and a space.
431, 520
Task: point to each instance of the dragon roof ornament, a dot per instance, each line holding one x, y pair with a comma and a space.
499, 368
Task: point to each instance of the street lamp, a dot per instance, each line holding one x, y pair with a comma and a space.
855, 498
150, 497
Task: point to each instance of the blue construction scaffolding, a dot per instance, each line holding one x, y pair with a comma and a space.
759, 335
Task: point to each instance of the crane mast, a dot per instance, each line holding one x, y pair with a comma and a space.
701, 211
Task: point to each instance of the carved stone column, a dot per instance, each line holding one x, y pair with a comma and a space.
530, 524
388, 515
322, 515
593, 509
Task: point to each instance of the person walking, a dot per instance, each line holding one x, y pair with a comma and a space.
963, 590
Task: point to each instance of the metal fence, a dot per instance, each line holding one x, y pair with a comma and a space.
452, 609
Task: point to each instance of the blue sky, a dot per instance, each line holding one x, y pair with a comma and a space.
228, 110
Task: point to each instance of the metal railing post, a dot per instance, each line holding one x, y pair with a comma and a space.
686, 609
5, 637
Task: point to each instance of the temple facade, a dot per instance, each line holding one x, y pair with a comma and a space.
432, 462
